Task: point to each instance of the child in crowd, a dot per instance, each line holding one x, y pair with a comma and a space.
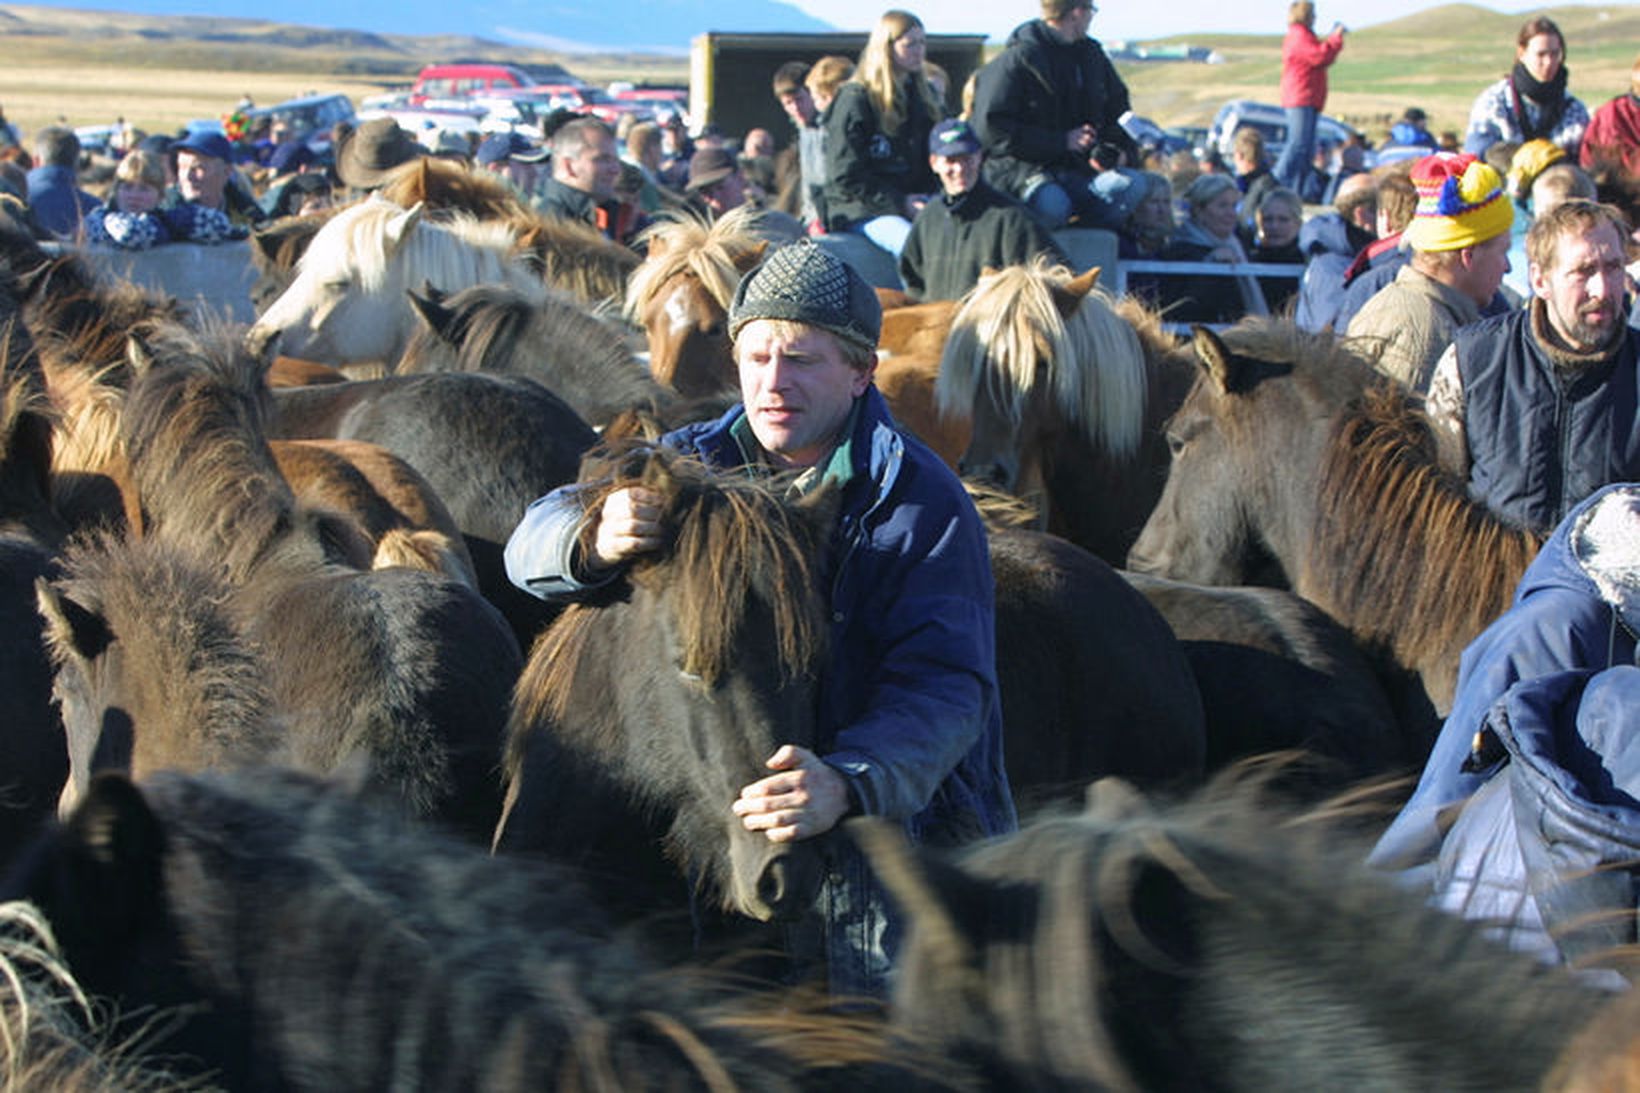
131, 218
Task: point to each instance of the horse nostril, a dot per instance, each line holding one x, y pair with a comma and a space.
773, 885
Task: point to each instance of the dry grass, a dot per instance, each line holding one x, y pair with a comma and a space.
159, 72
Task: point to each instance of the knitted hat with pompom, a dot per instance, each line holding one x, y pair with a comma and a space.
1460, 203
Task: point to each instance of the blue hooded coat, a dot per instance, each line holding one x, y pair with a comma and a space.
908, 706
1573, 610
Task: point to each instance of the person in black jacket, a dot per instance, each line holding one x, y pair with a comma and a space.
877, 135
969, 227
1045, 106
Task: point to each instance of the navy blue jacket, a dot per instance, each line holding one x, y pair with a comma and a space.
1540, 438
1561, 619
909, 712
58, 203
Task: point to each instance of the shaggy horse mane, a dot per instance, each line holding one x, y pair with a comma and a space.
574, 257
491, 323
194, 428
52, 1035
453, 250
1387, 512
733, 536
1068, 900
682, 242
173, 617
1009, 330
446, 188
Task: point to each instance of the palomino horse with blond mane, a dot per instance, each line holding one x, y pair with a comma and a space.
349, 300
1290, 447
681, 293
1067, 394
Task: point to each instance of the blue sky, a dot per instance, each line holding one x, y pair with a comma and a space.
1126, 19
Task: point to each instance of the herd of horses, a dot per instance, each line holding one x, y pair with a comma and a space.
299, 793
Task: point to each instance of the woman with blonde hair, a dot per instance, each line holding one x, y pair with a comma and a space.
877, 136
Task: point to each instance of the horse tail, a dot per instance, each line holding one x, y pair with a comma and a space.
424, 549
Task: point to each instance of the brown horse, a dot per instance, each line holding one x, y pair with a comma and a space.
535, 332
1067, 393
680, 296
1291, 447
398, 668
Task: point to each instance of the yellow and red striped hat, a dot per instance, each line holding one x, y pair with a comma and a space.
1460, 203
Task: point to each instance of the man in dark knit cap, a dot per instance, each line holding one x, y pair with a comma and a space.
908, 727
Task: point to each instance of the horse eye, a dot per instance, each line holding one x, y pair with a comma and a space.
1175, 443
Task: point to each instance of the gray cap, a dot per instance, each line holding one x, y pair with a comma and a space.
802, 282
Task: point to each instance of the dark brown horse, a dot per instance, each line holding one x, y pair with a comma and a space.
398, 668
534, 332
1290, 447
641, 715
274, 934
1216, 944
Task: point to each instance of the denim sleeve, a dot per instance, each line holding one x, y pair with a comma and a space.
540, 553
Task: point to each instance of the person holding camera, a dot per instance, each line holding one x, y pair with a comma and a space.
1304, 63
1047, 109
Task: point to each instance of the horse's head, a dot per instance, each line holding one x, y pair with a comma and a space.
1245, 444
1037, 355
680, 295
348, 300
674, 693
150, 670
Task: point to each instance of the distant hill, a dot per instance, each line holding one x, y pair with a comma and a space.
644, 26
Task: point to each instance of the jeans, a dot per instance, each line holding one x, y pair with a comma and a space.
1300, 150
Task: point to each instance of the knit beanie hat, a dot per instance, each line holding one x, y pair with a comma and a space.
1460, 203
1530, 160
803, 282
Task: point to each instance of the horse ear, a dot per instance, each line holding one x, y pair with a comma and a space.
1069, 296
929, 892
399, 227
117, 843
1221, 364
138, 353
266, 244
71, 630
429, 304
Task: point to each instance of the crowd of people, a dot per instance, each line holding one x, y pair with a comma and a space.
1536, 399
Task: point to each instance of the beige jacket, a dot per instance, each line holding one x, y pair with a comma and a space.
1413, 317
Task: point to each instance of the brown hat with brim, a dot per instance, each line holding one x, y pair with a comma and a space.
369, 153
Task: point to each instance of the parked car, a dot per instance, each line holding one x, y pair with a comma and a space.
1272, 122
1147, 134
313, 117
452, 81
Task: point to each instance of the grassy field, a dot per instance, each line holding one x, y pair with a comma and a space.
159, 72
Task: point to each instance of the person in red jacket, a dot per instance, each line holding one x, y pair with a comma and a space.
1304, 63
1612, 139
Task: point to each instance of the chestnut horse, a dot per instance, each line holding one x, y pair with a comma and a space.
680, 296
1290, 447
395, 669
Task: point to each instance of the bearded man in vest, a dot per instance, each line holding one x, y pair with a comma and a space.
1537, 408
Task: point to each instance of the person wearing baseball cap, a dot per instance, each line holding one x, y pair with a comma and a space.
908, 726
206, 180
514, 158
1459, 238
970, 226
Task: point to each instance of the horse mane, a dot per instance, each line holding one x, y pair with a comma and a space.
172, 616
573, 256
445, 187
1405, 536
734, 538
360, 945
454, 251
52, 1034
1009, 326
1080, 981
489, 328
194, 428
26, 422
684, 242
